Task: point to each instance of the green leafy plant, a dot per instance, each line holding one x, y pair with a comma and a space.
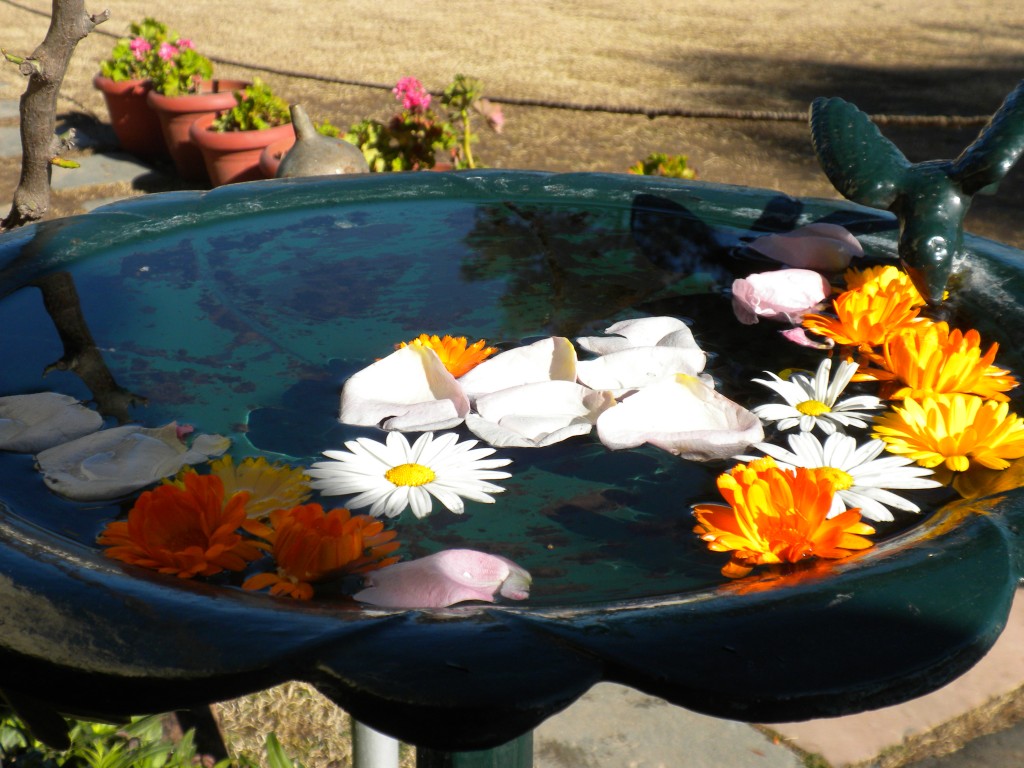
415, 137
136, 56
660, 164
179, 69
256, 109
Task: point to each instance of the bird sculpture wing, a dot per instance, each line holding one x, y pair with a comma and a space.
859, 161
999, 145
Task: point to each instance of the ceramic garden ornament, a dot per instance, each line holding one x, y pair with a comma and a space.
930, 199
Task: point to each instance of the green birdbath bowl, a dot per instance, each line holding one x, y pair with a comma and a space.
243, 310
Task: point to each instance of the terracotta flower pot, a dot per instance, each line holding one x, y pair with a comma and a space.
177, 113
233, 156
136, 125
272, 154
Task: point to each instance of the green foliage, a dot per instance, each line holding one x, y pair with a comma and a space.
327, 129
660, 164
124, 63
139, 744
414, 138
256, 109
181, 72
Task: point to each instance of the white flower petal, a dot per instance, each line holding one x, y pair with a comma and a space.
408, 390
639, 367
682, 416
33, 423
550, 359
114, 462
640, 332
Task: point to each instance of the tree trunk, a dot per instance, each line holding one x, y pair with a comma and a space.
45, 69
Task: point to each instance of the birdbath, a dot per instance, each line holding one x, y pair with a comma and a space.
244, 310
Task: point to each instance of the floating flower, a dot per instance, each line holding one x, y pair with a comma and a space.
536, 415
661, 331
952, 432
639, 367
115, 462
270, 486
458, 358
866, 318
443, 579
820, 246
550, 359
929, 359
390, 477
860, 478
777, 515
410, 389
683, 416
785, 295
33, 423
309, 545
885, 278
192, 530
815, 402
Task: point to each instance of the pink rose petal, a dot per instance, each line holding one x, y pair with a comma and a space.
784, 295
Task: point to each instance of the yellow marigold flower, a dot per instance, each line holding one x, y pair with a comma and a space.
887, 278
187, 529
866, 318
309, 544
953, 431
458, 358
929, 359
270, 486
777, 515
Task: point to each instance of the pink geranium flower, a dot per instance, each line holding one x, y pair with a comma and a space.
140, 46
167, 51
183, 43
412, 94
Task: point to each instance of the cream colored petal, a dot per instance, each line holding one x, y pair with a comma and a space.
115, 462
539, 414
639, 367
409, 390
682, 416
33, 423
640, 332
550, 359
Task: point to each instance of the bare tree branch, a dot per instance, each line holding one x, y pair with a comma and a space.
45, 70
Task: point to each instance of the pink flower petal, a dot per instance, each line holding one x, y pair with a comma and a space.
820, 246
443, 579
799, 336
784, 295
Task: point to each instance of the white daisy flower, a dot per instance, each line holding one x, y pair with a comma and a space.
861, 477
815, 402
390, 477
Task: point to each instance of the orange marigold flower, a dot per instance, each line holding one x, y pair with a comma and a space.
309, 544
888, 278
188, 530
458, 358
777, 515
929, 359
866, 318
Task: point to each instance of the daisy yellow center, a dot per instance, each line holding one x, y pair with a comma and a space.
813, 408
410, 474
841, 480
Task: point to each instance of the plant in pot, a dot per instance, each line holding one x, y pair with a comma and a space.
124, 81
184, 90
231, 142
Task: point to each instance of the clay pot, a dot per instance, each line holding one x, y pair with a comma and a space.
136, 126
271, 156
177, 113
233, 156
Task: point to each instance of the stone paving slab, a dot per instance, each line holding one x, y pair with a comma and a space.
96, 169
612, 726
8, 107
10, 141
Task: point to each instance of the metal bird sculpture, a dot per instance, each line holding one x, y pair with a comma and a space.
930, 199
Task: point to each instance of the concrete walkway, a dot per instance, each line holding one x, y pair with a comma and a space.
616, 727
